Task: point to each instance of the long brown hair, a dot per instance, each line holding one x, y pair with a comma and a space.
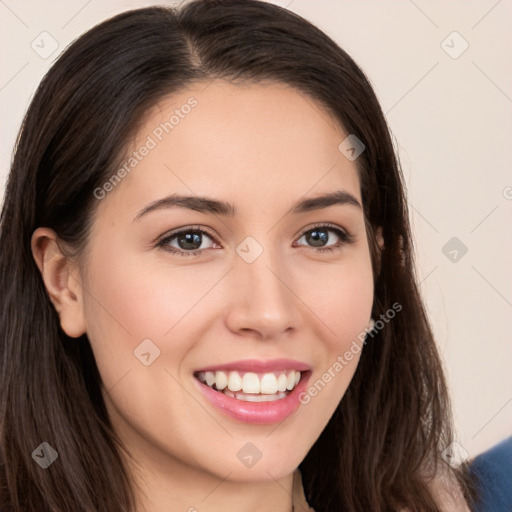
385, 438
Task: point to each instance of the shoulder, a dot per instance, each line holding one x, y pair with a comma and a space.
492, 473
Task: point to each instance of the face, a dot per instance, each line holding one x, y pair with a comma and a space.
220, 322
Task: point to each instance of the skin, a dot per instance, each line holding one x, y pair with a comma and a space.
262, 148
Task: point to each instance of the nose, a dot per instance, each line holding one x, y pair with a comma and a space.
263, 301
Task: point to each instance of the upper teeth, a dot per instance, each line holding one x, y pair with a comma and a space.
266, 383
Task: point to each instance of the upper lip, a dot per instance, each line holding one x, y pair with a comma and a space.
258, 366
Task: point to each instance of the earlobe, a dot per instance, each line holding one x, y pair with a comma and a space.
61, 280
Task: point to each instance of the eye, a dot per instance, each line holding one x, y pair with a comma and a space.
186, 242
318, 237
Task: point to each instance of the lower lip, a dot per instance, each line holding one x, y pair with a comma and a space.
256, 412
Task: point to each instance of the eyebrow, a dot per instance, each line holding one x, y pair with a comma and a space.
214, 206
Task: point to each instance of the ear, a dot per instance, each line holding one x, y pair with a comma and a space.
62, 281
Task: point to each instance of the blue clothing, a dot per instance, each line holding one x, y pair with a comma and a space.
492, 471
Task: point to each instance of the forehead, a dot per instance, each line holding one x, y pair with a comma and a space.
252, 143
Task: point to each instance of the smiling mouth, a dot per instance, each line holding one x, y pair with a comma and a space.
250, 386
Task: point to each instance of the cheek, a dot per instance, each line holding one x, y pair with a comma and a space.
144, 300
129, 304
128, 301
342, 308
340, 296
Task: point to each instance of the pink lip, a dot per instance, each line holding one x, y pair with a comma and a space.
258, 366
256, 412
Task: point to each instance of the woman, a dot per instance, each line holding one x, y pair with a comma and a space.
209, 293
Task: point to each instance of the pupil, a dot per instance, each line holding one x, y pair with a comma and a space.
318, 237
190, 238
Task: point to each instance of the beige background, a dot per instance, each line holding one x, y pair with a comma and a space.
452, 120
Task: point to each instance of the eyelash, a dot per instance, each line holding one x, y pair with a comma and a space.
345, 239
